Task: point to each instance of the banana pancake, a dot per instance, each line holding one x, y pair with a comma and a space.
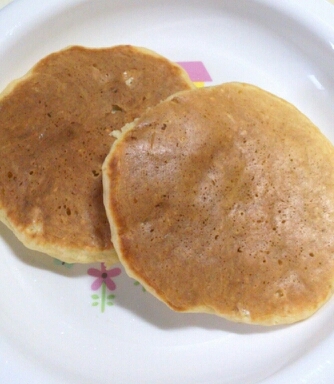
55, 126
221, 200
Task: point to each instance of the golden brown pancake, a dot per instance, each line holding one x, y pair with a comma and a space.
55, 126
221, 200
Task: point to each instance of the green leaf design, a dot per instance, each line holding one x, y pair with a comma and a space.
138, 283
110, 297
110, 303
95, 304
95, 296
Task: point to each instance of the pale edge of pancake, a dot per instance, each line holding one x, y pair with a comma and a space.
70, 255
245, 319
106, 181
183, 72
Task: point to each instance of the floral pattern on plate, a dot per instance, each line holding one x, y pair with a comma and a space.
103, 282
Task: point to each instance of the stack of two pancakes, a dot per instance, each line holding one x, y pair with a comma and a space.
219, 200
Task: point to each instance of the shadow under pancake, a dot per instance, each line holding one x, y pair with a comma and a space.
134, 299
37, 259
131, 296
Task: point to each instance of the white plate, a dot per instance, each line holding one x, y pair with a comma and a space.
55, 328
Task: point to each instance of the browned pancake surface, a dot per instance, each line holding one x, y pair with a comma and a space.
221, 200
55, 129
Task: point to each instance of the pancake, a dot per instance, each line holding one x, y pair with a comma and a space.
55, 126
221, 200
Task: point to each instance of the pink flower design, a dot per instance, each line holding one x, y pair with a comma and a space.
103, 276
